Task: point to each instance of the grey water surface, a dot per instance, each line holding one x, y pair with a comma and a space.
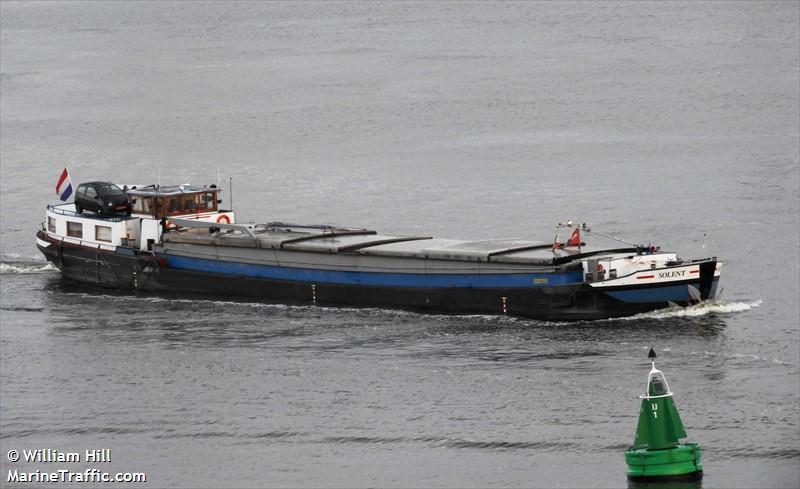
670, 123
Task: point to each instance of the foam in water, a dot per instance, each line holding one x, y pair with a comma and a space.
701, 309
19, 268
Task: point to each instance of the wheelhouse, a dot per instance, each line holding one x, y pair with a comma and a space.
176, 200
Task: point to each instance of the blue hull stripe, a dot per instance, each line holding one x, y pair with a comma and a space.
315, 276
674, 293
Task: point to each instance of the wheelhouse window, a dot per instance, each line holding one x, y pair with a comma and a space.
143, 205
173, 206
175, 203
51, 224
208, 201
74, 229
102, 233
188, 204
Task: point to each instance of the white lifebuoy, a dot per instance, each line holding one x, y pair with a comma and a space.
223, 219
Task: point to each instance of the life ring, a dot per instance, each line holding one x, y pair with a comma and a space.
223, 219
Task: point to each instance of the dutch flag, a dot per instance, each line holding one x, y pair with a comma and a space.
64, 186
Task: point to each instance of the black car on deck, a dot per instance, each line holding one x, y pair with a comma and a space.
102, 198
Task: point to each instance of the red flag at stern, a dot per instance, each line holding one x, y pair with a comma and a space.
575, 239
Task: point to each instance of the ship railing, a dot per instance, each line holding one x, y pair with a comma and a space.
57, 209
81, 242
193, 223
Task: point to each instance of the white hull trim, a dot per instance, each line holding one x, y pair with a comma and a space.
656, 275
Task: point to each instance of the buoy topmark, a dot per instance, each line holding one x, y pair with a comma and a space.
656, 453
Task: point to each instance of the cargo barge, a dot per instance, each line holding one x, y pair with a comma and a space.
176, 239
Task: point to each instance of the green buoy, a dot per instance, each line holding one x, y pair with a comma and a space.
656, 453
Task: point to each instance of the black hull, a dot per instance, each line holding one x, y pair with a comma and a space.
98, 267
143, 272
560, 303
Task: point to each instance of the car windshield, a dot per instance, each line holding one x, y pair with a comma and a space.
109, 190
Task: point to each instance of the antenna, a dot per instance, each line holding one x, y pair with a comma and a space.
555, 238
612, 237
157, 203
230, 191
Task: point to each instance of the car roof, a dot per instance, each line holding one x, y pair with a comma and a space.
94, 184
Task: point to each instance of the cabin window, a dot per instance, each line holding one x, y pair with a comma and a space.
612, 273
91, 192
173, 206
143, 205
188, 204
51, 224
159, 207
74, 229
208, 201
102, 233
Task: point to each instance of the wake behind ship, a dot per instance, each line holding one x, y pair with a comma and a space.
176, 239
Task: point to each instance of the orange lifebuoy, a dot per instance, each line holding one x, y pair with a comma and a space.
223, 219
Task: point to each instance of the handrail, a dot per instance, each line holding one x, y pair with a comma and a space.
69, 212
88, 244
194, 223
